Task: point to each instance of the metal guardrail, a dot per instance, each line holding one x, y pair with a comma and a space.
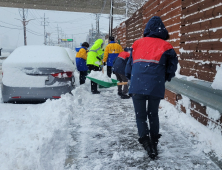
196, 92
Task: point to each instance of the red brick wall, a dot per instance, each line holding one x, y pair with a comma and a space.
201, 34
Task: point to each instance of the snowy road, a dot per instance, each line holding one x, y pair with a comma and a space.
103, 136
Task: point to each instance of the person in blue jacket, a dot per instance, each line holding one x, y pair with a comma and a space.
152, 63
112, 50
81, 57
119, 65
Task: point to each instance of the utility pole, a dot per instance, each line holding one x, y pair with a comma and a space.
24, 27
92, 35
24, 23
112, 18
72, 41
126, 8
97, 26
44, 24
58, 33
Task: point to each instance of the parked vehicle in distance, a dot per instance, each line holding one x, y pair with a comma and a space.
37, 73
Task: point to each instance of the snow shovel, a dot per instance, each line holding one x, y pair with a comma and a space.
107, 84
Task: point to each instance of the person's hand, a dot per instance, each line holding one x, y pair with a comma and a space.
104, 63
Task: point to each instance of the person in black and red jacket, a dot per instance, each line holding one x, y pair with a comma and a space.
152, 63
119, 65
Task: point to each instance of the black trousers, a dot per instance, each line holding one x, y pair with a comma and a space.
122, 78
144, 110
93, 85
82, 77
109, 71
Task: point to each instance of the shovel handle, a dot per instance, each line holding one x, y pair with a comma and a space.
123, 83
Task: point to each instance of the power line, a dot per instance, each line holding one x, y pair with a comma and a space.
10, 27
28, 30
10, 24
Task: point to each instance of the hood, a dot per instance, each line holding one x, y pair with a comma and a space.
155, 28
97, 44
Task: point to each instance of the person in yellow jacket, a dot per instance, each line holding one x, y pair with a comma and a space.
81, 62
112, 50
94, 61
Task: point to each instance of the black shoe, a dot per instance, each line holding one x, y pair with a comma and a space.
154, 141
125, 96
147, 145
120, 94
95, 92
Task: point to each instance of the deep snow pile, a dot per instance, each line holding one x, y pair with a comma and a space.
85, 131
35, 136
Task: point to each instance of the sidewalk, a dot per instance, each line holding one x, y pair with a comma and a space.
105, 137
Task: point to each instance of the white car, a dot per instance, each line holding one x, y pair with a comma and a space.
37, 73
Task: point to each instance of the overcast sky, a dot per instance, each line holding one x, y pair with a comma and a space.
69, 23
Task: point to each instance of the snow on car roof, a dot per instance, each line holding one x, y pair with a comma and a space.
39, 56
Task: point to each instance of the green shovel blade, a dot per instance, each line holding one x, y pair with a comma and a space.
104, 83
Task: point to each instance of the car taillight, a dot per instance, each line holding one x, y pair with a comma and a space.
56, 97
63, 74
16, 97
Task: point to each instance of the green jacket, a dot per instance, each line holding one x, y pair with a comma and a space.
94, 56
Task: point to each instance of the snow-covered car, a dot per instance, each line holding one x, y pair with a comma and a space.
72, 55
37, 73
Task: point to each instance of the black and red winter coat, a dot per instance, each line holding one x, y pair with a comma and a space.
153, 61
119, 63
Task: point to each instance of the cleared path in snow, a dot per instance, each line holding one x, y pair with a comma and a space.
105, 137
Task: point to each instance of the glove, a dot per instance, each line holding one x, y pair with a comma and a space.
104, 63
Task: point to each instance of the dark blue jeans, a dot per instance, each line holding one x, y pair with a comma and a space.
143, 111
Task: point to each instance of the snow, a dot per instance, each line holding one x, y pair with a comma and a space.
39, 56
214, 114
72, 54
86, 131
185, 101
217, 83
21, 79
178, 75
100, 76
32, 135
